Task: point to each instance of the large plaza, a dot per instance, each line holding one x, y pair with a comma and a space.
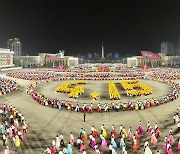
45, 122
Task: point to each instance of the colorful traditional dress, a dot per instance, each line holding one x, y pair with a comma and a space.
104, 133
148, 150
113, 142
17, 142
82, 147
140, 128
71, 139
103, 142
122, 143
153, 139
69, 149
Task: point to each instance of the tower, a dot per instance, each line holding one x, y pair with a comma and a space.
15, 45
102, 50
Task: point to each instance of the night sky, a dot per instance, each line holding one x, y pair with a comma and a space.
80, 26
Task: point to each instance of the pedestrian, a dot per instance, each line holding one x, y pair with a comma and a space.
174, 118
84, 117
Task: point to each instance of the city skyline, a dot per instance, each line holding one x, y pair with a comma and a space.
79, 27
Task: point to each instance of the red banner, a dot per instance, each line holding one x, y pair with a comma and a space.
149, 55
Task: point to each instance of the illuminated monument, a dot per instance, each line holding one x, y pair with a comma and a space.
102, 50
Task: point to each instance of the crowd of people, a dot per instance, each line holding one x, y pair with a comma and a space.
110, 142
33, 75
113, 91
167, 73
79, 75
94, 96
139, 105
7, 86
72, 87
13, 126
134, 88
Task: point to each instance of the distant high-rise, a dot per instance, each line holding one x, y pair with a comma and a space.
167, 48
15, 45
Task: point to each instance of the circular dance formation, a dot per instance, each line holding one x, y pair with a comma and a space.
97, 140
139, 105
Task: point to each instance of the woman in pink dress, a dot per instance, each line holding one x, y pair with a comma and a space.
71, 138
158, 133
82, 147
10, 133
170, 138
103, 142
165, 143
15, 128
153, 139
179, 145
150, 130
22, 135
169, 150
130, 135
140, 128
92, 142
7, 151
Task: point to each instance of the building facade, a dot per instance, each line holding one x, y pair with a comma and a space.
15, 45
45, 60
167, 48
27, 61
168, 61
6, 58
54, 60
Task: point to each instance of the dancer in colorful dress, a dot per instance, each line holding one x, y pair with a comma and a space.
7, 151
113, 132
137, 135
104, 133
103, 142
71, 138
82, 147
113, 142
140, 128
94, 132
92, 141
114, 151
122, 143
157, 132
57, 142
124, 132
84, 135
134, 145
170, 137
130, 135
148, 150
178, 145
69, 149
153, 139
18, 143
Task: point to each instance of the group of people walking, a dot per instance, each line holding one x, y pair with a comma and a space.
13, 126
110, 142
7, 86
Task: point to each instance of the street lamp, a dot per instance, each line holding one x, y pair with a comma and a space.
21, 62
